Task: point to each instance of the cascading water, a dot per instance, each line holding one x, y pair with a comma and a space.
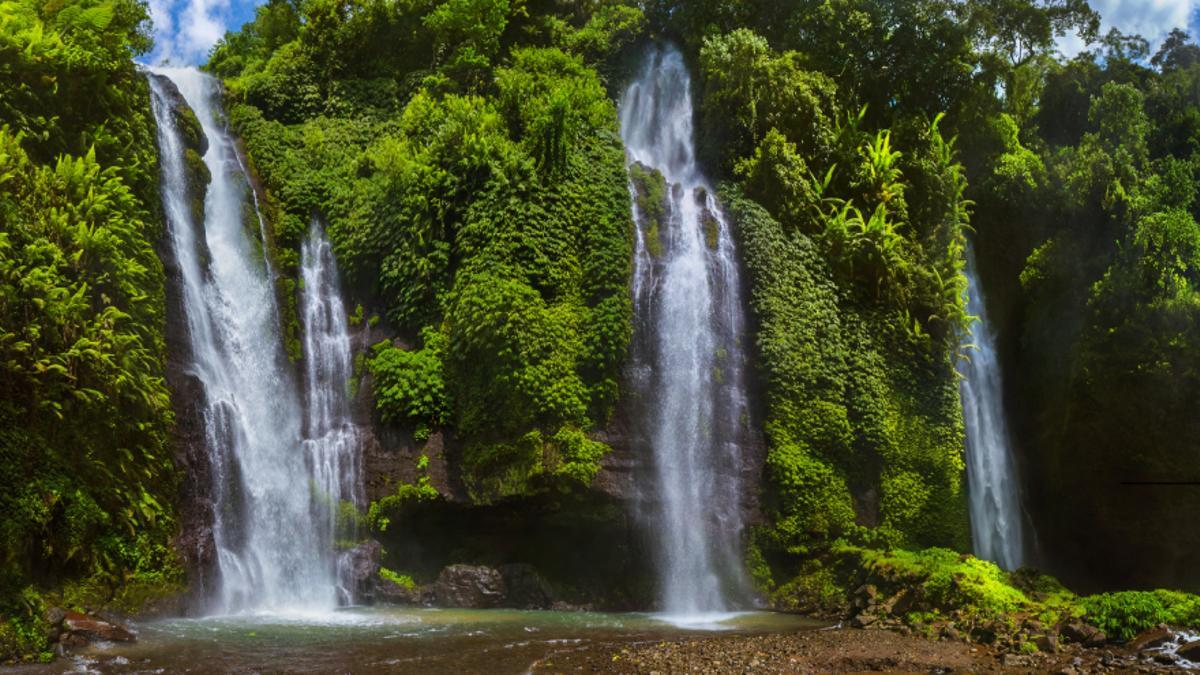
688, 358
272, 499
991, 476
332, 439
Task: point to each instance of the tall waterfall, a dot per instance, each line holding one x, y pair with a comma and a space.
331, 438
272, 492
991, 476
688, 357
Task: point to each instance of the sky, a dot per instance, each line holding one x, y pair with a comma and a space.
184, 30
1152, 19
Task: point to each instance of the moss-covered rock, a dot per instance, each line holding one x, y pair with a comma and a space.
650, 197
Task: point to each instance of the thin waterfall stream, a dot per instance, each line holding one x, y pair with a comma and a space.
688, 358
996, 527
332, 440
281, 464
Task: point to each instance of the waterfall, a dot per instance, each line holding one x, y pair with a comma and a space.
273, 497
689, 364
332, 440
991, 475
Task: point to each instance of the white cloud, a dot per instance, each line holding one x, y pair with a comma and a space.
185, 30
1152, 19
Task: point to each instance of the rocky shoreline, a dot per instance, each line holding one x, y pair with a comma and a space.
849, 649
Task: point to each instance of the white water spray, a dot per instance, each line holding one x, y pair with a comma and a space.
272, 491
688, 355
991, 475
332, 439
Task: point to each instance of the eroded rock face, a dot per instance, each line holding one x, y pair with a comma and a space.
358, 569
526, 589
196, 511
470, 587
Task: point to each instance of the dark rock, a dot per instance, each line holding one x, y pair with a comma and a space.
358, 569
92, 628
54, 616
901, 603
1097, 640
1046, 643
469, 586
983, 635
182, 114
1166, 659
391, 593
863, 620
526, 589
1189, 651
1081, 633
72, 641
1151, 638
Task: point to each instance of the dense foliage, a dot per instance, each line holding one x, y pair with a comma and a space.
467, 161
464, 153
1088, 203
465, 157
88, 481
1079, 177
853, 237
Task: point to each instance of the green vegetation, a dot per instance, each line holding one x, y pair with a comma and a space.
854, 253
402, 580
1125, 614
88, 478
467, 160
465, 157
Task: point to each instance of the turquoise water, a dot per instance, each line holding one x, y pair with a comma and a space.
380, 640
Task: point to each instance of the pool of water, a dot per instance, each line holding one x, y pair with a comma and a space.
371, 640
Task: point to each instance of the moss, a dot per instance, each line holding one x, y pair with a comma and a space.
864, 429
949, 581
654, 245
712, 230
816, 588
567, 460
650, 193
402, 580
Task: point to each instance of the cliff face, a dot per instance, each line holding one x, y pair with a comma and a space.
195, 507
589, 545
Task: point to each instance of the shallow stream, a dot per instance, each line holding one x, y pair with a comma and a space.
389, 640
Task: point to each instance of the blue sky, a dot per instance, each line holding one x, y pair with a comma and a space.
1152, 19
184, 30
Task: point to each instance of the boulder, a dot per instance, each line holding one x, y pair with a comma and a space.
1046, 643
525, 588
901, 603
1151, 638
1082, 633
470, 587
358, 569
391, 593
55, 615
88, 628
1189, 650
